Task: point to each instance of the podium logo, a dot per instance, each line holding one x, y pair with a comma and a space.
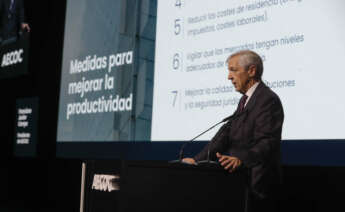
12, 58
103, 182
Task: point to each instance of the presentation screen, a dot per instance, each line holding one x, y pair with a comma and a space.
142, 77
96, 98
302, 46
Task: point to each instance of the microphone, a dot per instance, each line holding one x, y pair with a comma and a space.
193, 139
230, 118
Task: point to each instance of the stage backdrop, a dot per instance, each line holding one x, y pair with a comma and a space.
156, 73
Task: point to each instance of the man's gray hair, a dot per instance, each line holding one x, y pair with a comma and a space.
248, 58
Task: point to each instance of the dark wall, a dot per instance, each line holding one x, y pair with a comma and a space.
47, 24
312, 188
43, 182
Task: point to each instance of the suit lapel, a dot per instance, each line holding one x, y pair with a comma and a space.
252, 100
248, 108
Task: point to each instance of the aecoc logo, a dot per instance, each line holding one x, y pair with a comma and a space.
103, 182
12, 58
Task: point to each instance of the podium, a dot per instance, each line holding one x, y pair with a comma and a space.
161, 186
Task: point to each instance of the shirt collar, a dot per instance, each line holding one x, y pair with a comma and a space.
250, 91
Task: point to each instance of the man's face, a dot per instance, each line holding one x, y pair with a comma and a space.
239, 77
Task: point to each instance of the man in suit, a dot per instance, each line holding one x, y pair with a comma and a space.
252, 139
12, 20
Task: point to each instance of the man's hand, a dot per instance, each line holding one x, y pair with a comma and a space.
228, 162
26, 27
189, 161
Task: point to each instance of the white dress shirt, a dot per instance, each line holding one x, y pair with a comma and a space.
250, 92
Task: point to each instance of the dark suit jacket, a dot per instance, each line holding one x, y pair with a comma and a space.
254, 137
11, 20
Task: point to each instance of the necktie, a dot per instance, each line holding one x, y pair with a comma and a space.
11, 9
11, 5
242, 102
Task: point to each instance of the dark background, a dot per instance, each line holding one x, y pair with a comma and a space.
42, 183
47, 183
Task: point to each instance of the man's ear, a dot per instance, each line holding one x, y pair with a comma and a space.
252, 71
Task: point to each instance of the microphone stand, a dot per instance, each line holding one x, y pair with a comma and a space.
193, 139
209, 162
